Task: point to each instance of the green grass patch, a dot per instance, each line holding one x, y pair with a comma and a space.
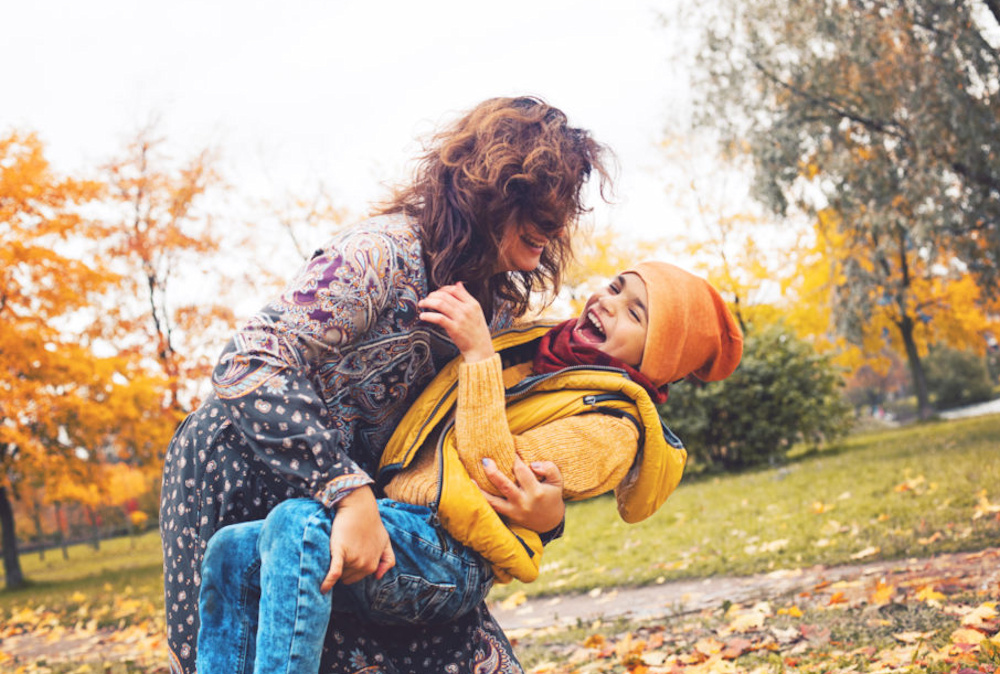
884, 495
123, 567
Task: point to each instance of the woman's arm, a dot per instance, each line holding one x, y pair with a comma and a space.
267, 379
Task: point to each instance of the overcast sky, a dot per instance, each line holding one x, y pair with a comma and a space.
301, 92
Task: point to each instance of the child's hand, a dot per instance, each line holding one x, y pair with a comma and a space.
359, 543
535, 501
458, 312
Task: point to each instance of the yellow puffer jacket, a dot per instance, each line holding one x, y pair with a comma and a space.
515, 552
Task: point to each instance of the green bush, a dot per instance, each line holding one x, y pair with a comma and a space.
956, 378
782, 393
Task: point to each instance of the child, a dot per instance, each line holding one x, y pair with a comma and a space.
580, 393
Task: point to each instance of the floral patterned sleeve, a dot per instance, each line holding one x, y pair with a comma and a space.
270, 376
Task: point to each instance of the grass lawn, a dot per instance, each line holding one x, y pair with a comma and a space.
122, 568
901, 493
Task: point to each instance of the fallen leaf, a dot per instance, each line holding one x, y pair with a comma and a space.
980, 615
709, 646
818, 507
838, 598
736, 647
815, 634
928, 593
786, 636
867, 552
882, 594
514, 600
910, 485
983, 506
913, 637
967, 636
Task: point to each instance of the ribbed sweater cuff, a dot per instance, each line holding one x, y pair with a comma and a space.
480, 385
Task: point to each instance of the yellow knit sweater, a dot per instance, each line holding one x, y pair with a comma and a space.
593, 451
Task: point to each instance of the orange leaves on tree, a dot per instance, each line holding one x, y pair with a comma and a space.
162, 235
68, 397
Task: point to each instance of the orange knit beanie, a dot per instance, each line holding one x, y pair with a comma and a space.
690, 329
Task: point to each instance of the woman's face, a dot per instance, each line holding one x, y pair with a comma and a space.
615, 320
522, 246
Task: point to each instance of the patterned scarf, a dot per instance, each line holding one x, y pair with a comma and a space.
556, 351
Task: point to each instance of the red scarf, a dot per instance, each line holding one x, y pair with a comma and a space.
556, 351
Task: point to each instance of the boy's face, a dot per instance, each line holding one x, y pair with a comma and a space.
615, 320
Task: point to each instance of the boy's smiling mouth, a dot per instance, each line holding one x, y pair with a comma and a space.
590, 329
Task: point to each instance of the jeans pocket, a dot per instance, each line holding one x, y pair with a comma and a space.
413, 600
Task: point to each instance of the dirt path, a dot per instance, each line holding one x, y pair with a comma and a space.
975, 570
952, 573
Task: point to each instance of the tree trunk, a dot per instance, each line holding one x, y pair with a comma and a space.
924, 410
11, 560
94, 528
36, 515
62, 532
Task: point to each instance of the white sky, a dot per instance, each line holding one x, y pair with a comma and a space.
302, 92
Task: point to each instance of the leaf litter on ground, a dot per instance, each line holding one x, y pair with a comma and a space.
918, 617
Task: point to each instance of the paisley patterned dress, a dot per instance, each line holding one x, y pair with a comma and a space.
305, 397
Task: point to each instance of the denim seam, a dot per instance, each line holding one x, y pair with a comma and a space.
319, 515
244, 635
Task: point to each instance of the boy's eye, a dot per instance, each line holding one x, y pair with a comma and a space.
635, 315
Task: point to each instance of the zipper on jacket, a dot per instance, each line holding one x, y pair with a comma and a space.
528, 383
435, 520
597, 398
392, 468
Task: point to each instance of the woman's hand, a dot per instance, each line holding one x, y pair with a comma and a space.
459, 314
534, 501
359, 543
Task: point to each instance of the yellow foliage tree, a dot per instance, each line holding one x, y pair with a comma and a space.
163, 242
47, 280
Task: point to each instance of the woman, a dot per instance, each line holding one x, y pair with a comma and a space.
307, 393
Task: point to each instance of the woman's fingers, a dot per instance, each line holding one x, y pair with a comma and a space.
547, 472
528, 502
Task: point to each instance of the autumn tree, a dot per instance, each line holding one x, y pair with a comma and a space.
881, 116
164, 243
51, 376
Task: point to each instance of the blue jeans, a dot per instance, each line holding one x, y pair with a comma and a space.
260, 603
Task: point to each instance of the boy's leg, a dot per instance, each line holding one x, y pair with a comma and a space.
435, 579
230, 591
295, 557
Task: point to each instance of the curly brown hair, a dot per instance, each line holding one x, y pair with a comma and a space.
507, 161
